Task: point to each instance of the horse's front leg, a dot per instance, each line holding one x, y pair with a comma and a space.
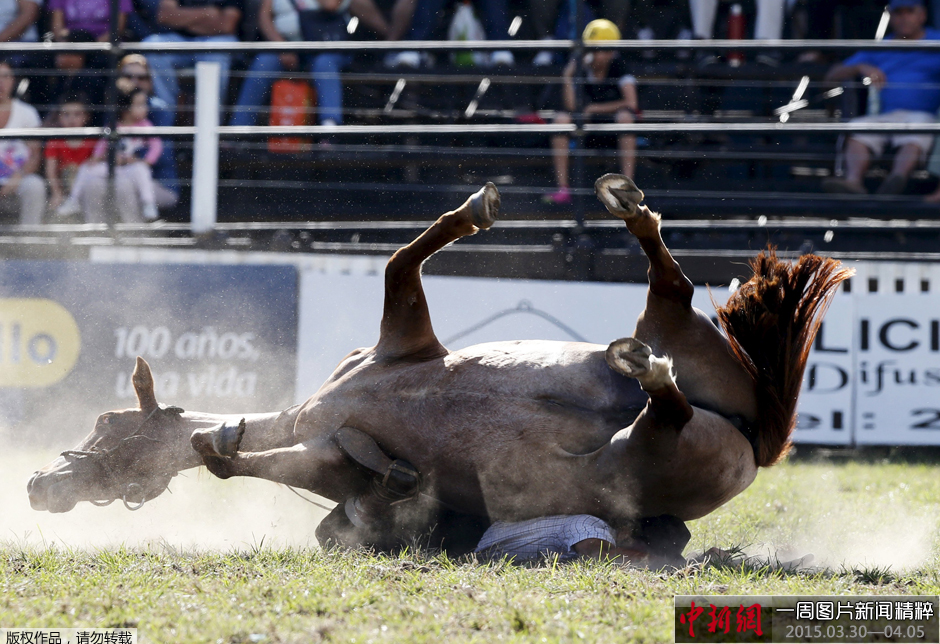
668, 410
316, 464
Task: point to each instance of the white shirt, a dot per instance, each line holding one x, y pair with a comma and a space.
546, 536
285, 16
9, 10
14, 152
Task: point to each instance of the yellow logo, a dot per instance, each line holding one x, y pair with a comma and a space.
39, 342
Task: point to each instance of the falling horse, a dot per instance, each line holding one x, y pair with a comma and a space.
673, 421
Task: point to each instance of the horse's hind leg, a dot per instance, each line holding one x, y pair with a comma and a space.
406, 324
708, 373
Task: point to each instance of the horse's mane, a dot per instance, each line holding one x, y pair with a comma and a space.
771, 322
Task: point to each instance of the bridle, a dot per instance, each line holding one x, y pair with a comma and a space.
104, 459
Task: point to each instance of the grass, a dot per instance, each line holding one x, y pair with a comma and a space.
871, 524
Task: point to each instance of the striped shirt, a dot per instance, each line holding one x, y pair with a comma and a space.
546, 536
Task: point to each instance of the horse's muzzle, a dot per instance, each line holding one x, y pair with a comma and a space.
46, 493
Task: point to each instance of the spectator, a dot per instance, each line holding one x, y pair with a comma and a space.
493, 14
18, 20
77, 73
134, 187
65, 156
279, 22
610, 94
93, 16
135, 70
907, 84
192, 21
21, 189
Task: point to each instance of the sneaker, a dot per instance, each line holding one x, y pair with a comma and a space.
837, 185
68, 208
543, 59
561, 196
410, 59
894, 184
502, 57
150, 212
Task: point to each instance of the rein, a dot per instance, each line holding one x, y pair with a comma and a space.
103, 458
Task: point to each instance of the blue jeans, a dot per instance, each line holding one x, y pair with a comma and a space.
493, 15
163, 66
164, 170
324, 69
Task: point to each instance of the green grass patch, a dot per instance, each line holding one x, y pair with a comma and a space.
871, 526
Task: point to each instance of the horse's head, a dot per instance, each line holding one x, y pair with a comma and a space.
129, 455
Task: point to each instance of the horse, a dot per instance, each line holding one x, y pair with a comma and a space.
672, 421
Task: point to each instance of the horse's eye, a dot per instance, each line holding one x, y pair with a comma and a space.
105, 420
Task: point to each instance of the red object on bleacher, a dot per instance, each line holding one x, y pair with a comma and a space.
292, 103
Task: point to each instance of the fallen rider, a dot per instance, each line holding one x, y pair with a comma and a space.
654, 543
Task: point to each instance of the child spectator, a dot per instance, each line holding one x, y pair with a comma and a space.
610, 96
65, 156
21, 189
134, 159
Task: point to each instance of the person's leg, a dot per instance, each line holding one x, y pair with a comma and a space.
224, 61
857, 159
769, 25
907, 158
703, 17
494, 15
544, 14
616, 11
255, 89
626, 146
560, 153
139, 175
32, 195
93, 199
325, 71
126, 196
163, 70
425, 19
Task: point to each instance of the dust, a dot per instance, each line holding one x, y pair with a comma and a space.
200, 511
848, 523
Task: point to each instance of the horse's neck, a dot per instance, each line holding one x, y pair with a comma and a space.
262, 431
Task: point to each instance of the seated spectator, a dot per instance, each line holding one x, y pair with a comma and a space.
18, 19
192, 21
768, 26
610, 95
135, 70
279, 22
907, 84
134, 189
493, 14
65, 156
22, 190
78, 73
93, 16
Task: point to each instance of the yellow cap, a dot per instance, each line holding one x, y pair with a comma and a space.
600, 29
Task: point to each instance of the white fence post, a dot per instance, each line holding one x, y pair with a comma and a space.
206, 149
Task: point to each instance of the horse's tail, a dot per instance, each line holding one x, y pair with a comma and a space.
771, 322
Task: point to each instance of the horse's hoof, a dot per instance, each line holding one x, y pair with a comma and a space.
484, 206
619, 194
629, 356
222, 440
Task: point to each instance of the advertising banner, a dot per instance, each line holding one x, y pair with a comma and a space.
218, 338
897, 340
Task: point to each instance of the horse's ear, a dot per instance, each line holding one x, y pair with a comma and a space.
143, 385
